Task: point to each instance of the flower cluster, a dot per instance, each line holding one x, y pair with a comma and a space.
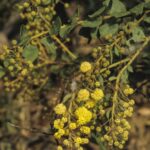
83, 115
79, 117
92, 110
85, 67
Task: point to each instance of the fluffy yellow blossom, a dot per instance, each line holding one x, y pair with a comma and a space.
83, 95
131, 102
97, 94
83, 115
85, 140
59, 148
72, 126
85, 67
58, 124
64, 119
97, 84
85, 130
90, 104
59, 134
60, 109
78, 140
125, 134
24, 72
128, 91
66, 142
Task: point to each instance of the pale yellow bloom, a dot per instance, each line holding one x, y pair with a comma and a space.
83, 115
97, 94
85, 67
83, 95
60, 109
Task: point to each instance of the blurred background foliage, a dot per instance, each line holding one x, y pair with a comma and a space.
30, 132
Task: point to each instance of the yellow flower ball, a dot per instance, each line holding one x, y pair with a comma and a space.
83, 115
90, 104
83, 95
128, 91
57, 135
60, 109
85, 130
85, 67
61, 132
66, 142
131, 91
131, 102
85, 140
72, 126
97, 94
64, 119
98, 129
78, 140
59, 148
24, 72
58, 124
125, 134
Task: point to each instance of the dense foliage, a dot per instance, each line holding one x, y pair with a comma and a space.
95, 99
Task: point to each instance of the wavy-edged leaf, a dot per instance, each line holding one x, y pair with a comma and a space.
92, 24
147, 19
65, 30
107, 29
130, 68
97, 13
50, 47
67, 97
118, 9
30, 53
138, 34
138, 9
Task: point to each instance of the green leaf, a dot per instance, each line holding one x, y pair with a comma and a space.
2, 72
138, 9
67, 97
101, 80
55, 69
97, 139
138, 34
30, 53
118, 9
112, 78
108, 113
24, 37
147, 19
46, 2
124, 77
92, 24
108, 97
97, 13
65, 58
116, 51
65, 30
50, 47
130, 68
56, 25
94, 33
147, 4
107, 29
106, 2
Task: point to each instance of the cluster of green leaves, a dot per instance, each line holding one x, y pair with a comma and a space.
111, 18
